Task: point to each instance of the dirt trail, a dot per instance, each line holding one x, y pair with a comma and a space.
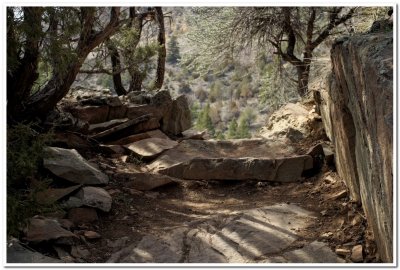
135, 214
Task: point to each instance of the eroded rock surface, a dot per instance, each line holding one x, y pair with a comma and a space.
357, 112
248, 236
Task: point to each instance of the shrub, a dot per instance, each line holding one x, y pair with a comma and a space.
24, 156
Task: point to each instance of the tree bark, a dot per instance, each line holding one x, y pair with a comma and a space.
162, 52
58, 86
21, 80
116, 69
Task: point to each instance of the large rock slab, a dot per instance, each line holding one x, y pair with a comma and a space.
51, 195
232, 160
91, 114
151, 147
246, 236
70, 165
357, 112
95, 197
45, 229
16, 253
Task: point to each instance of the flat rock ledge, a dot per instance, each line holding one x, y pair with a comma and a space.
260, 160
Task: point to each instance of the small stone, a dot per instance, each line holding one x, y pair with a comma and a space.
338, 195
342, 252
356, 220
91, 235
72, 202
79, 252
66, 223
324, 212
329, 180
327, 235
357, 254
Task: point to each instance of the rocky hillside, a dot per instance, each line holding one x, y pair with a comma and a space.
357, 112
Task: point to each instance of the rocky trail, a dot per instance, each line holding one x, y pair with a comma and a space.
131, 194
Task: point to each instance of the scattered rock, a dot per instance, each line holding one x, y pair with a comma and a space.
95, 197
16, 253
342, 252
70, 165
66, 223
51, 195
44, 229
72, 202
106, 125
191, 134
329, 179
82, 215
324, 212
91, 235
79, 252
151, 148
144, 181
111, 149
91, 114
327, 235
121, 127
70, 140
357, 254
63, 254
337, 195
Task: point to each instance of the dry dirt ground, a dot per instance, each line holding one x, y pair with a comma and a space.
340, 223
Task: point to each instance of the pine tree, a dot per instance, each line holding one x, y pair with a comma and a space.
173, 55
232, 129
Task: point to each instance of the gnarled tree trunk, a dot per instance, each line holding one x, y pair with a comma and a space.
162, 52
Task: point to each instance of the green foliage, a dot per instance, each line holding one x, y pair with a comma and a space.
243, 129
232, 129
173, 55
195, 111
219, 135
25, 151
204, 120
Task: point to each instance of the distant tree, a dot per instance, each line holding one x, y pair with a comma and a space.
232, 129
173, 55
243, 129
201, 94
292, 33
204, 120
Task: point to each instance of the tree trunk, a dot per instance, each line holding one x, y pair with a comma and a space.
21, 80
303, 74
58, 86
116, 69
136, 81
162, 52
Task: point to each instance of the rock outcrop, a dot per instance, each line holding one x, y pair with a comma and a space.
357, 112
232, 160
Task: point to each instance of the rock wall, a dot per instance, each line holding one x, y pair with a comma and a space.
357, 112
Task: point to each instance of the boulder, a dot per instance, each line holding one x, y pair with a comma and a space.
91, 114
178, 118
232, 160
144, 181
191, 134
356, 106
70, 165
292, 121
151, 147
70, 140
95, 197
45, 229
16, 253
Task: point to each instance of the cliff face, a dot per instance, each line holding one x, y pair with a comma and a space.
357, 112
